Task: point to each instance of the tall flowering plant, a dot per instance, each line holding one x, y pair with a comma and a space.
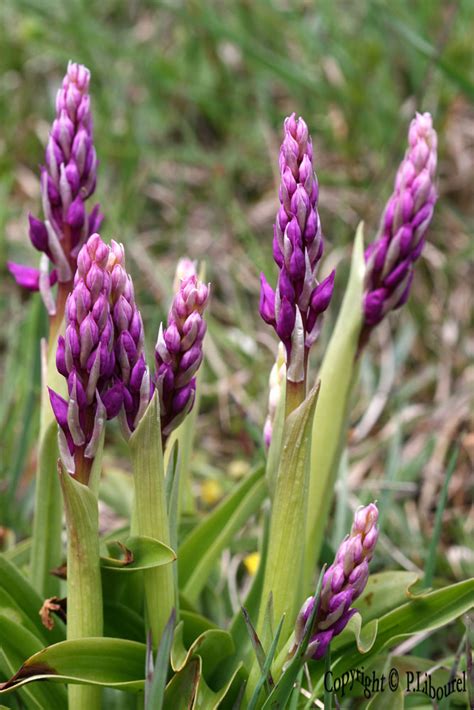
136, 612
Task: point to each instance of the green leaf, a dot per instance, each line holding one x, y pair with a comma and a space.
181, 691
201, 549
384, 591
25, 601
121, 621
211, 700
18, 643
329, 425
137, 553
388, 700
194, 625
265, 676
151, 515
113, 663
212, 646
287, 526
155, 688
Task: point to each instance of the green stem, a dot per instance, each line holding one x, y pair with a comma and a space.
295, 394
84, 586
151, 516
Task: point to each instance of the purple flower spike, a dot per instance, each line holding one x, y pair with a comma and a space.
390, 259
295, 308
85, 357
131, 370
178, 352
68, 178
343, 582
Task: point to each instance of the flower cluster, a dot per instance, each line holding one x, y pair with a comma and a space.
179, 353
67, 180
343, 582
391, 257
85, 357
295, 307
131, 370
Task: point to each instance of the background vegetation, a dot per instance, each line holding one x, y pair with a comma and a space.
189, 99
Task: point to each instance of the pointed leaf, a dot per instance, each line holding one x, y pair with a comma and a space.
155, 689
181, 691
211, 646
137, 553
18, 643
26, 600
287, 527
113, 663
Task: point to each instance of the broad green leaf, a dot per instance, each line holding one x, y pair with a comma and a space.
137, 553
121, 621
282, 577
388, 700
212, 646
194, 625
329, 425
155, 688
201, 549
113, 663
151, 515
181, 691
18, 643
26, 601
211, 700
385, 591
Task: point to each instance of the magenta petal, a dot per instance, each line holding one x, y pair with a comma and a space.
28, 276
59, 407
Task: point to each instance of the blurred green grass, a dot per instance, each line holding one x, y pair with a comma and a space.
188, 101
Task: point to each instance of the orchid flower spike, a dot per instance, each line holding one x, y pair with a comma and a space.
179, 352
343, 582
85, 357
68, 179
390, 259
294, 309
